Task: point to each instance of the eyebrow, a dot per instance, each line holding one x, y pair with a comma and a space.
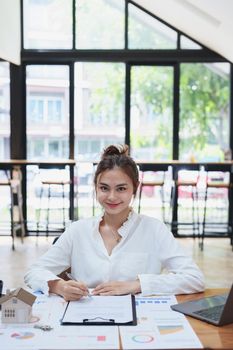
119, 185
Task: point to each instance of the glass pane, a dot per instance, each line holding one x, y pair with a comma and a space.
99, 108
99, 121
47, 24
146, 32
5, 195
100, 24
151, 112
47, 112
204, 111
4, 111
186, 43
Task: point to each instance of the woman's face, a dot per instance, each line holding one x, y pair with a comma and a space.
114, 191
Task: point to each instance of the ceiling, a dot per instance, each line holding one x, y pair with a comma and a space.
207, 21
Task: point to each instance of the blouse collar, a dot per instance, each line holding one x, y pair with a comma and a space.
125, 227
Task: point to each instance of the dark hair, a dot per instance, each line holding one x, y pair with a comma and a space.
117, 156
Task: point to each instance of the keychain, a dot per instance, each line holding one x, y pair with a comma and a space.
43, 327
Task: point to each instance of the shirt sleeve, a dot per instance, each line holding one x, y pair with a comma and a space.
53, 262
180, 274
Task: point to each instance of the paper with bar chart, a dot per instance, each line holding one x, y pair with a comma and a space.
158, 327
49, 311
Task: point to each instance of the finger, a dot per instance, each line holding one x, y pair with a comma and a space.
98, 290
80, 285
110, 292
73, 291
101, 287
102, 290
78, 291
73, 294
72, 298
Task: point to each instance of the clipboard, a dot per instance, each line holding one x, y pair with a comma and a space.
116, 311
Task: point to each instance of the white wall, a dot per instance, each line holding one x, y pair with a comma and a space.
10, 40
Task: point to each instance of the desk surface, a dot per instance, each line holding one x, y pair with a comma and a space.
212, 337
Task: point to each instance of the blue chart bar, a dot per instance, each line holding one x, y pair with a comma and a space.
144, 301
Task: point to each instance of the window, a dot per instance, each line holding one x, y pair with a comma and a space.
35, 109
99, 107
146, 32
47, 24
36, 149
47, 108
104, 19
47, 111
186, 43
77, 54
204, 111
151, 112
4, 111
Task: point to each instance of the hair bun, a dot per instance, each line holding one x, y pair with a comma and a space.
115, 150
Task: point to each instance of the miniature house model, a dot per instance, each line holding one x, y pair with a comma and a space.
17, 306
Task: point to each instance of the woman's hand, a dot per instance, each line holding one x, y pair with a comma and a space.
69, 290
117, 288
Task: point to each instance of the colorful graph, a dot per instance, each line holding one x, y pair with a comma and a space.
101, 338
22, 335
163, 330
143, 301
143, 338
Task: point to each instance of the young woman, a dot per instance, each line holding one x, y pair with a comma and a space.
119, 252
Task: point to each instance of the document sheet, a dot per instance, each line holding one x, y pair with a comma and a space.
158, 327
100, 309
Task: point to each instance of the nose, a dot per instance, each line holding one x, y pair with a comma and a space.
112, 195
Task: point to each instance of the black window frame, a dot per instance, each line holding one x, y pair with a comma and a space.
127, 56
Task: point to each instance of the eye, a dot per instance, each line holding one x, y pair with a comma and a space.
103, 188
121, 189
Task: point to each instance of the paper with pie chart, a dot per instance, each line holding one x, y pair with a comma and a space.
49, 310
159, 327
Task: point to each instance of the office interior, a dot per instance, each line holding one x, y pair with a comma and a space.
76, 76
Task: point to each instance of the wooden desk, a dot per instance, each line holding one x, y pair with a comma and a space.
212, 337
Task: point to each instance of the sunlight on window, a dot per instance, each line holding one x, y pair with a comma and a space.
204, 110
47, 112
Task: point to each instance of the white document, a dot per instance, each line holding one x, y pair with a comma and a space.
19, 337
46, 311
15, 337
81, 337
97, 309
159, 327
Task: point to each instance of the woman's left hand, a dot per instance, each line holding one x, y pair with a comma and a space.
118, 288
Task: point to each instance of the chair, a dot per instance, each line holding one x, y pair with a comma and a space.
187, 187
216, 204
155, 184
16, 208
54, 181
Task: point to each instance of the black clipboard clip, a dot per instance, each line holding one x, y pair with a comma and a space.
99, 319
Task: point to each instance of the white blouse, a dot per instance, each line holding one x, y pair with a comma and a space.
147, 251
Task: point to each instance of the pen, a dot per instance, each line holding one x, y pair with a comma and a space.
73, 279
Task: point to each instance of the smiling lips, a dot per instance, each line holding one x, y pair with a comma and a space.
113, 205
